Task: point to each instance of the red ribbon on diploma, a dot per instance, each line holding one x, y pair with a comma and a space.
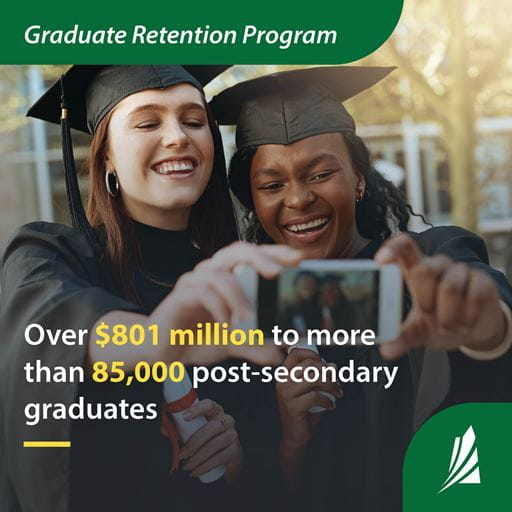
180, 405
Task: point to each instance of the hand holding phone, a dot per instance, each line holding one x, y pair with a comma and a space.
454, 306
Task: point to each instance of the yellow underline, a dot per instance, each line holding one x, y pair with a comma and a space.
46, 444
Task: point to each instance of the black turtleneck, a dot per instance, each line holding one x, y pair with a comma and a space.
166, 255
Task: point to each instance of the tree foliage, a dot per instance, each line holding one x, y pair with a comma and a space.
455, 65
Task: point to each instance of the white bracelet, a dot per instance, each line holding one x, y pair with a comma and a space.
501, 349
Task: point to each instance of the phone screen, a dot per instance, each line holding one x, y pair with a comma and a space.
303, 299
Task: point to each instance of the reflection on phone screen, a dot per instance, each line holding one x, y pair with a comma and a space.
309, 299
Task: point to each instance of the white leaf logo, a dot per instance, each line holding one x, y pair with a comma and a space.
464, 461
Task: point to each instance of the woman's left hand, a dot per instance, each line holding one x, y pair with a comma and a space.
215, 444
452, 304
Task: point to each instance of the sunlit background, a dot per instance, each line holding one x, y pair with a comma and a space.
440, 126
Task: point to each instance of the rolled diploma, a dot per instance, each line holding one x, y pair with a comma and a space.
175, 391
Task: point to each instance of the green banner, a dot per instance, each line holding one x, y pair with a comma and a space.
460, 460
198, 32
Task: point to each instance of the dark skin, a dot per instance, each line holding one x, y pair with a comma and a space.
304, 196
294, 400
312, 180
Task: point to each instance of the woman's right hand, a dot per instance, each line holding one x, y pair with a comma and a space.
211, 293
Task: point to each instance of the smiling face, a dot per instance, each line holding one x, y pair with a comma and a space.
161, 147
304, 195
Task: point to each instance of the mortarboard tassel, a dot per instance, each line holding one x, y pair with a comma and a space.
76, 208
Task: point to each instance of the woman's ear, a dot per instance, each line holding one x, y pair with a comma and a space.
360, 186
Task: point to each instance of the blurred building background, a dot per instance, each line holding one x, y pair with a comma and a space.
440, 126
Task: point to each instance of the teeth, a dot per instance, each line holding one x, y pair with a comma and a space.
174, 166
308, 225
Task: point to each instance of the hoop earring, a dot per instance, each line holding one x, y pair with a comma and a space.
112, 183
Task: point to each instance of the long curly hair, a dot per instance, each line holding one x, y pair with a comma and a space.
381, 211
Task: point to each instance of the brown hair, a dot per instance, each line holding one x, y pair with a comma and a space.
211, 226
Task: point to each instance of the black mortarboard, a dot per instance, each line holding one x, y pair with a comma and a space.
285, 107
84, 94
92, 91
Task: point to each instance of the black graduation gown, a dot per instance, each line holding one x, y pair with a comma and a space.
53, 277
354, 460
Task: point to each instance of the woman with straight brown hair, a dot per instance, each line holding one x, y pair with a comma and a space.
158, 209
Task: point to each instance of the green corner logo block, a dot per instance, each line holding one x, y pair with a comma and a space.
460, 460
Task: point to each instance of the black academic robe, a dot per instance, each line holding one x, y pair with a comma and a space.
354, 460
53, 277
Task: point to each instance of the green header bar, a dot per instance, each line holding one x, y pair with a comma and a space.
196, 32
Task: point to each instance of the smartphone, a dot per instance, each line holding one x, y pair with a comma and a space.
343, 295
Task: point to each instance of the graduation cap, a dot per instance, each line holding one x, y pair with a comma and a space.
285, 107
85, 94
